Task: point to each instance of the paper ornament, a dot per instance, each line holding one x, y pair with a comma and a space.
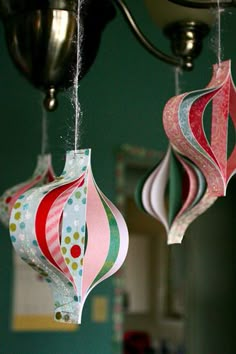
175, 193
42, 174
184, 125
71, 234
196, 169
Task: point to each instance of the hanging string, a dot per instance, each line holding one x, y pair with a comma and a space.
178, 72
44, 127
76, 77
219, 10
44, 133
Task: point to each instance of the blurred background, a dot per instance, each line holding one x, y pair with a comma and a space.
174, 299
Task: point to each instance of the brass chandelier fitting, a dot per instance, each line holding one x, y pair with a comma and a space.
41, 36
205, 4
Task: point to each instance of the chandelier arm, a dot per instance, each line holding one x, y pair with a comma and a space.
143, 39
206, 4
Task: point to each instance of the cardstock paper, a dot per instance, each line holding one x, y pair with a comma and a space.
174, 193
71, 234
196, 168
43, 173
184, 125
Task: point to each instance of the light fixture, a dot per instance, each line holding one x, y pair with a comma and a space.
41, 36
41, 39
185, 27
205, 4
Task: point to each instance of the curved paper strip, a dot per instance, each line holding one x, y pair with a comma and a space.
232, 111
185, 204
177, 187
118, 245
98, 237
43, 173
29, 241
197, 202
181, 223
47, 223
72, 234
201, 182
192, 186
154, 186
183, 123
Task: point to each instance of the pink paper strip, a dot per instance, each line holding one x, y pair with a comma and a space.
98, 236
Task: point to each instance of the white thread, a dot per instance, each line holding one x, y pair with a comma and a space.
44, 133
76, 77
178, 71
44, 128
218, 32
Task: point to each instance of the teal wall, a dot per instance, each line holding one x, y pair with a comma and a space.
211, 279
122, 99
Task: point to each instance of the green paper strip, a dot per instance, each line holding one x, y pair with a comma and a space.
114, 243
175, 187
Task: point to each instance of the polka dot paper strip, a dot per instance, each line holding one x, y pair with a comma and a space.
71, 234
184, 123
43, 173
175, 193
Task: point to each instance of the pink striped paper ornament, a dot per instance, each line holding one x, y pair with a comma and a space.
71, 234
202, 158
184, 125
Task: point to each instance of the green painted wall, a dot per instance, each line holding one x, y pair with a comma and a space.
122, 99
211, 279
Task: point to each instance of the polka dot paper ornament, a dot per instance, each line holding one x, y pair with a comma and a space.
183, 119
43, 173
174, 193
71, 234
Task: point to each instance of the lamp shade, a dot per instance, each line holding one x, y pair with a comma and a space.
164, 13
